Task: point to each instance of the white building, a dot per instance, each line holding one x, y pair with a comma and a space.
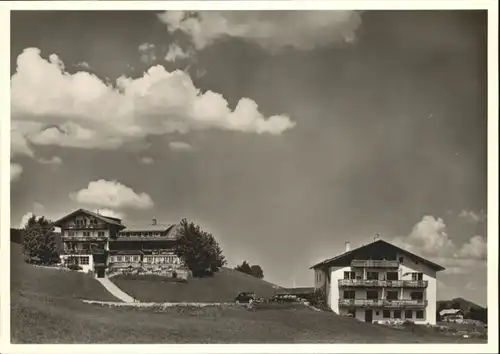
379, 281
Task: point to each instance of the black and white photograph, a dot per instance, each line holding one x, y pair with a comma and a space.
250, 176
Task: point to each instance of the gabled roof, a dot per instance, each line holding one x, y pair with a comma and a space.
113, 221
148, 228
350, 254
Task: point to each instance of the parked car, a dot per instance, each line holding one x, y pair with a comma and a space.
247, 298
284, 298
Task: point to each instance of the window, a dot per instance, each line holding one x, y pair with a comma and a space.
372, 295
349, 275
100, 233
71, 233
401, 259
84, 260
392, 295
135, 259
372, 276
86, 233
408, 314
377, 313
397, 313
349, 294
127, 258
420, 314
417, 295
417, 276
119, 258
386, 314
392, 275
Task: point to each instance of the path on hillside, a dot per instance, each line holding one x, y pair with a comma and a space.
114, 290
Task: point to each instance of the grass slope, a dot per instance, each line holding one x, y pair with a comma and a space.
222, 287
46, 309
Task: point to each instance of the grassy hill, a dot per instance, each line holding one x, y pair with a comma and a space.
46, 308
465, 305
222, 287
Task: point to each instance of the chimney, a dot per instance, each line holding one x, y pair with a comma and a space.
154, 221
347, 246
98, 212
377, 237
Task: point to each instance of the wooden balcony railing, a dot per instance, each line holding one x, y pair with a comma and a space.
371, 263
87, 227
407, 303
383, 283
84, 238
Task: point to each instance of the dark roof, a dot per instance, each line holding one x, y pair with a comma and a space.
142, 239
113, 221
351, 253
148, 228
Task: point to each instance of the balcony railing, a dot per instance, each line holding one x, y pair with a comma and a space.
383, 283
86, 226
84, 238
372, 263
383, 303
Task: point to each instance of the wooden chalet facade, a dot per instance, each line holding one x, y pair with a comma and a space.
103, 244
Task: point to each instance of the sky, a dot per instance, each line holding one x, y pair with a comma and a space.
285, 134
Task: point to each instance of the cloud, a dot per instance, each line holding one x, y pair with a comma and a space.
180, 146
24, 220
147, 51
83, 65
476, 248
112, 194
175, 52
147, 160
272, 30
472, 217
15, 171
18, 143
111, 213
52, 107
429, 237
55, 160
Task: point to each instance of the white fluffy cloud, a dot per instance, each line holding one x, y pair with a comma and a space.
52, 107
55, 160
472, 217
180, 146
175, 52
15, 171
429, 237
24, 219
112, 194
147, 52
476, 248
111, 213
272, 30
147, 160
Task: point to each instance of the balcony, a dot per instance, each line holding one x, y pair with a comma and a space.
87, 227
373, 263
365, 283
381, 303
84, 238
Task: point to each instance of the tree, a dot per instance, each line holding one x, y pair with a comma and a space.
199, 250
254, 270
39, 240
244, 268
257, 271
